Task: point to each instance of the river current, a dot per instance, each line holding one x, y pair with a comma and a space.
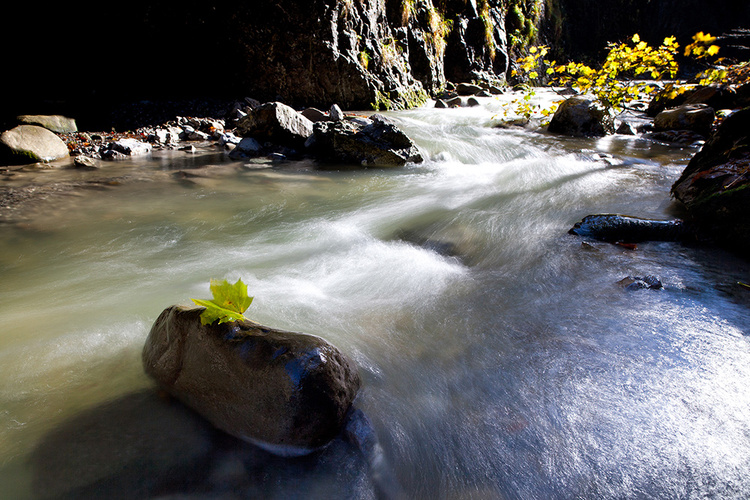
500, 358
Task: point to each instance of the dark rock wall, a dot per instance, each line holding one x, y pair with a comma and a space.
67, 58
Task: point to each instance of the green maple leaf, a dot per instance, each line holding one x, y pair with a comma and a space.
228, 304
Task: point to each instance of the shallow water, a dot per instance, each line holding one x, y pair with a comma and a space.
500, 358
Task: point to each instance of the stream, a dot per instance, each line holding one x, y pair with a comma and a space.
500, 358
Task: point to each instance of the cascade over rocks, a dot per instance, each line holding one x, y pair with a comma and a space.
286, 392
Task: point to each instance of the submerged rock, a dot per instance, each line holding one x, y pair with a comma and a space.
622, 228
30, 144
582, 116
379, 144
286, 392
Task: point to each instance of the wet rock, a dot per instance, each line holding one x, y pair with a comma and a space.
54, 123
85, 162
440, 104
126, 448
622, 228
31, 144
380, 144
649, 282
247, 147
582, 116
468, 89
284, 391
715, 185
456, 102
625, 128
694, 117
472, 102
277, 123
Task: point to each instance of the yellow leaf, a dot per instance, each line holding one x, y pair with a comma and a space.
636, 38
532, 50
713, 50
533, 74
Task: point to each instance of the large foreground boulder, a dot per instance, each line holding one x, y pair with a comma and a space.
287, 392
31, 144
582, 116
378, 143
715, 185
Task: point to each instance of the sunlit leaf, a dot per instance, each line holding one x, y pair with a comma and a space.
228, 303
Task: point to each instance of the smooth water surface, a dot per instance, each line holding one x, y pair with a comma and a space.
500, 358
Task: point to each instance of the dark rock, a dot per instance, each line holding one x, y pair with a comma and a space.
277, 123
626, 128
53, 123
246, 148
379, 144
715, 185
472, 102
639, 283
456, 102
694, 117
582, 116
31, 144
467, 89
126, 448
622, 228
287, 392
440, 104
315, 115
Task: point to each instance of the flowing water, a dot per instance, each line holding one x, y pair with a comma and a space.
499, 356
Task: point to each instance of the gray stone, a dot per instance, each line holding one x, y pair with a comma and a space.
277, 123
335, 113
247, 147
31, 143
582, 116
287, 392
472, 102
54, 123
131, 147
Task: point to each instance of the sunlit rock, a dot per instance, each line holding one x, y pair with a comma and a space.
54, 123
582, 116
287, 392
277, 123
30, 144
694, 117
379, 144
